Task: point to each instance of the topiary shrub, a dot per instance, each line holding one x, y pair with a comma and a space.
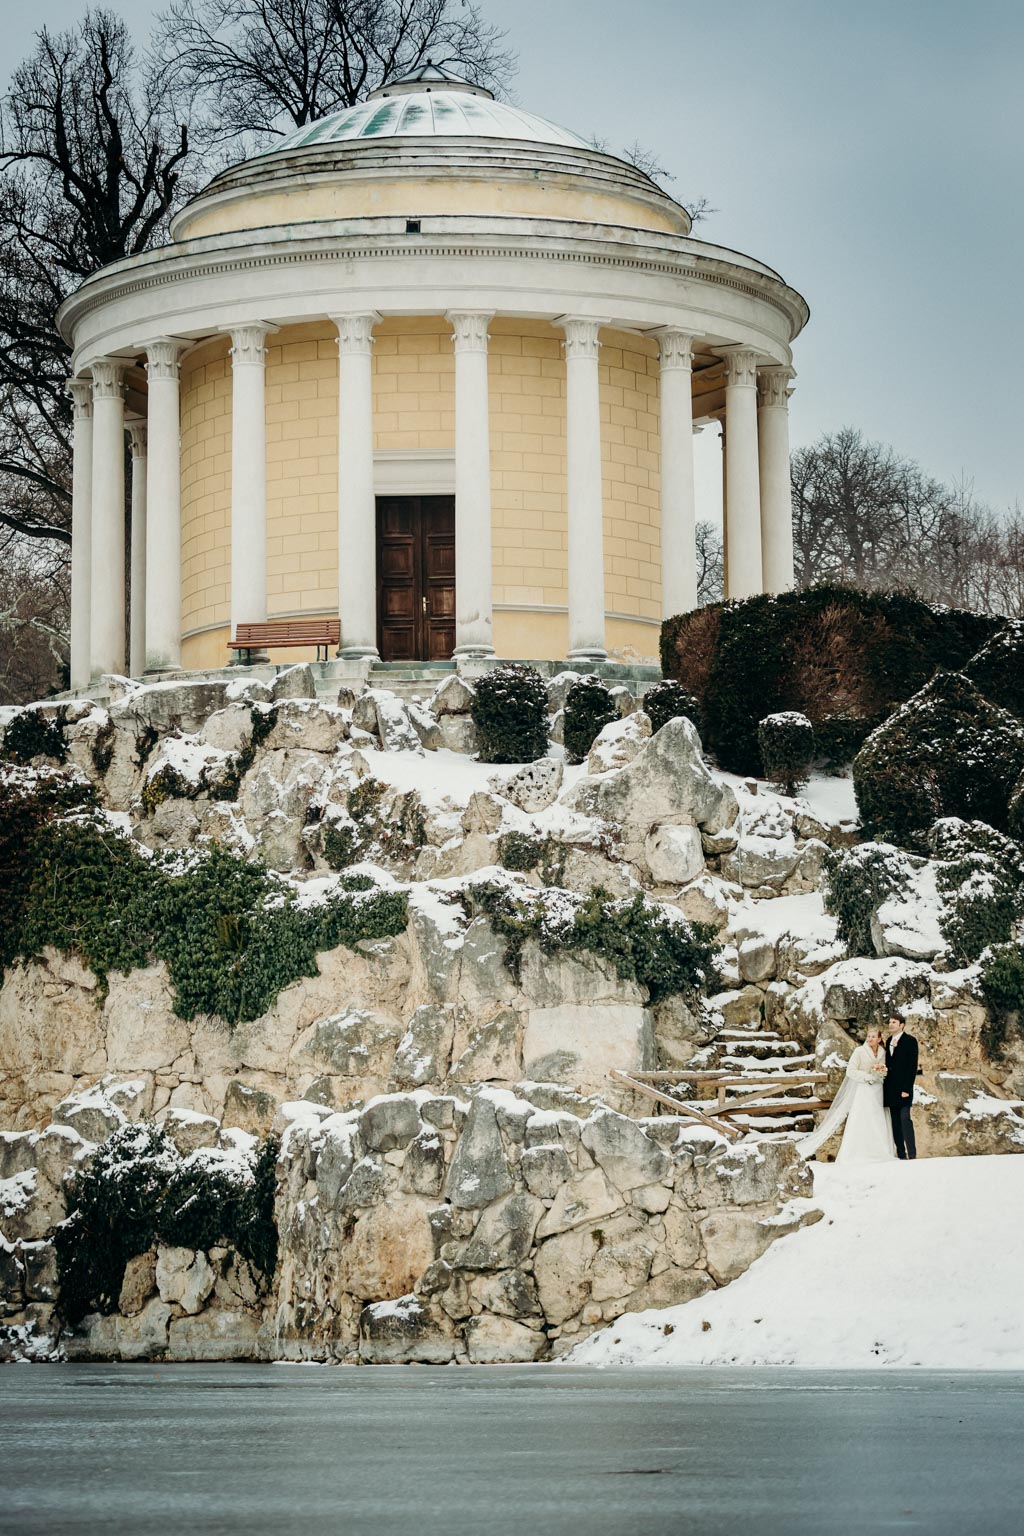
138, 1190
998, 668
857, 882
32, 734
645, 942
980, 878
826, 651
589, 707
838, 739
1002, 986
667, 701
786, 744
510, 712
946, 752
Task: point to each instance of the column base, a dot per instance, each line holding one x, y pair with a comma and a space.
588, 653
471, 649
358, 653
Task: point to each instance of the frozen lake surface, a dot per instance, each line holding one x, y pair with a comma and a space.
252, 1449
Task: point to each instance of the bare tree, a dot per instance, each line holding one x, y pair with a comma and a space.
710, 564
34, 614
90, 170
262, 67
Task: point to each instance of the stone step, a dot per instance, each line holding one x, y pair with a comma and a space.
756, 1050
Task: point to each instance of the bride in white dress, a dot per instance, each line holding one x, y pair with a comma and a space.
868, 1134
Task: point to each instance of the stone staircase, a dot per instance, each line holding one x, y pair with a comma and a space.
784, 1107
409, 680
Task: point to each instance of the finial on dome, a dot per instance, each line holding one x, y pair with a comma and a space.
429, 76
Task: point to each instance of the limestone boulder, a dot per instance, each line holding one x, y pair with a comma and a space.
580, 1044
501, 1341
533, 787
458, 734
390, 1247
405, 1331
619, 742
623, 1151
423, 1054
248, 1108
545, 1169
504, 1235
587, 1197
294, 683
138, 1284
229, 729
305, 724
143, 1032
674, 854
143, 1336
453, 696
479, 1171
389, 1123
184, 1277
216, 1334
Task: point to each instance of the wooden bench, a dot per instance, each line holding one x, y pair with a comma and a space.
286, 633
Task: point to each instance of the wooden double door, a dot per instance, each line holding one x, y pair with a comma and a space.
415, 577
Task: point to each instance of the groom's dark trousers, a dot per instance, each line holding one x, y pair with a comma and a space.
898, 1092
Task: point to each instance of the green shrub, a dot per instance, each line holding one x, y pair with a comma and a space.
589, 707
667, 701
838, 738
341, 844
998, 668
664, 953
510, 712
827, 651
231, 934
102, 749
1015, 810
138, 1190
1002, 986
857, 882
32, 734
519, 851
946, 752
980, 878
786, 744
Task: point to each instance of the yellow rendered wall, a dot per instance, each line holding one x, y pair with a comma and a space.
413, 398
526, 390
628, 369
413, 383
206, 486
302, 469
552, 198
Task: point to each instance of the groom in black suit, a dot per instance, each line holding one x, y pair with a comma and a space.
898, 1089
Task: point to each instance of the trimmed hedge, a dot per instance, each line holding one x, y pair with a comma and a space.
998, 668
32, 734
981, 880
138, 1190
1002, 986
946, 752
510, 712
857, 882
667, 701
830, 652
589, 707
786, 744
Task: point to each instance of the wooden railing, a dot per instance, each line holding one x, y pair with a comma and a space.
720, 1119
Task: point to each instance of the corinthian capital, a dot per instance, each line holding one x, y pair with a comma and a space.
773, 387
108, 379
741, 368
675, 348
355, 332
162, 359
80, 391
580, 336
248, 344
469, 327
138, 436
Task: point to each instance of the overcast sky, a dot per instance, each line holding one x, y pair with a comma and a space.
872, 151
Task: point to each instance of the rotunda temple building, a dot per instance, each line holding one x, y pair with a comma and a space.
430, 368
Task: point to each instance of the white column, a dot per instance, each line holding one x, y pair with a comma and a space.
357, 506
107, 643
80, 391
137, 611
474, 628
743, 513
163, 547
678, 518
583, 489
248, 476
773, 392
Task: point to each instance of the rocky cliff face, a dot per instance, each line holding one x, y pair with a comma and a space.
460, 1176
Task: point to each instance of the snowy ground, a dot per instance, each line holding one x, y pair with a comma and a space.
914, 1264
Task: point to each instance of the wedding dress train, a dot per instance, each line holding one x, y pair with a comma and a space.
868, 1134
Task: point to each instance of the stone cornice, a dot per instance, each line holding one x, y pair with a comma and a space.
557, 244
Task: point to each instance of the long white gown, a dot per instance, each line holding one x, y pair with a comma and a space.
868, 1134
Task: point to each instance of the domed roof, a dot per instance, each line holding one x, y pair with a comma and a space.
428, 103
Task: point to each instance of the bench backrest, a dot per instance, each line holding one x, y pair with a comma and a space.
288, 632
